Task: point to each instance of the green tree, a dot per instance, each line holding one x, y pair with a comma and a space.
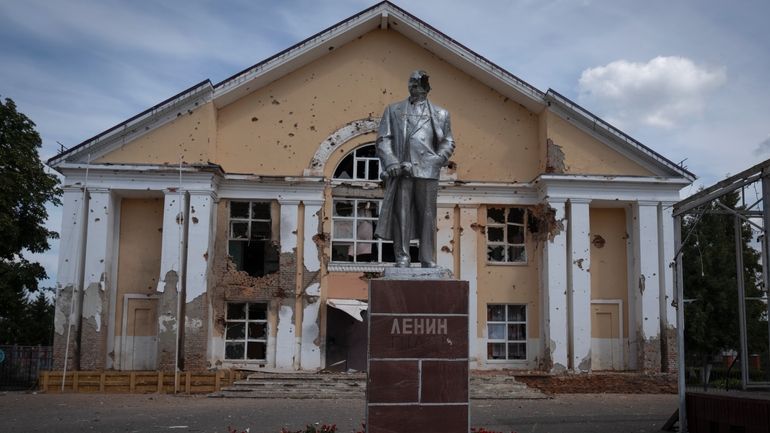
709, 260
25, 188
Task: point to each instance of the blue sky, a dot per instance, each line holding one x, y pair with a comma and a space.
687, 78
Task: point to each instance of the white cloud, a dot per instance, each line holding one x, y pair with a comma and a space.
661, 93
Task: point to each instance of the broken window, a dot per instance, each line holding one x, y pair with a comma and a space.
246, 331
250, 238
361, 164
505, 234
506, 332
354, 221
354, 215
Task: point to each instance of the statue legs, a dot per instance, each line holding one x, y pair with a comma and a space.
415, 197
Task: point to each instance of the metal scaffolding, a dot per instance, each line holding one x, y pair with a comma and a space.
755, 213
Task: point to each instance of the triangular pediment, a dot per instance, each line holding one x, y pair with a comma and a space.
382, 16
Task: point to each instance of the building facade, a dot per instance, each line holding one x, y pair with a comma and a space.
231, 225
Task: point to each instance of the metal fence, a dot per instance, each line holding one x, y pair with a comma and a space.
20, 365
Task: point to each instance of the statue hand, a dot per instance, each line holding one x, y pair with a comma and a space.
393, 171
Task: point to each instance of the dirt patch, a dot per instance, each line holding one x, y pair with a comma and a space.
608, 383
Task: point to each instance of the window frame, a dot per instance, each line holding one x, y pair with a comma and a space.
250, 220
356, 159
505, 341
246, 340
505, 243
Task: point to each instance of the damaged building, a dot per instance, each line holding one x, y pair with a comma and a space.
230, 226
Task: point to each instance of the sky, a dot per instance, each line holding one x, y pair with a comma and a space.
688, 78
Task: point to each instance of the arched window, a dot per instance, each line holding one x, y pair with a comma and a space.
355, 210
360, 164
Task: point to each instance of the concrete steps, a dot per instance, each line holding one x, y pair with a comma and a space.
353, 385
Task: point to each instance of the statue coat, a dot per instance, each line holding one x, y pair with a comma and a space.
426, 157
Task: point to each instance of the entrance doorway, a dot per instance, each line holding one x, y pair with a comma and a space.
140, 333
606, 335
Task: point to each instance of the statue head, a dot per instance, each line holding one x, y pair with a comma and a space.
418, 84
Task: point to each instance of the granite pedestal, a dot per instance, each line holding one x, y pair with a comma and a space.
418, 356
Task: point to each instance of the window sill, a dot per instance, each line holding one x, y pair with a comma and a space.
507, 263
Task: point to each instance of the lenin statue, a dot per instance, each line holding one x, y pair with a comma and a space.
413, 143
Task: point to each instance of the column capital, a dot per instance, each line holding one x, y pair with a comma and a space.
288, 202
468, 205
98, 190
555, 200
203, 192
580, 200
647, 202
310, 202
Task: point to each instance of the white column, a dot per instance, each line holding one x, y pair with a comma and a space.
445, 216
98, 252
172, 247
468, 271
647, 287
554, 280
312, 228
666, 270
69, 276
289, 214
288, 345
200, 242
580, 299
310, 356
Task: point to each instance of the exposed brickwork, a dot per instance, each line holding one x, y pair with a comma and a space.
669, 354
167, 323
196, 334
649, 360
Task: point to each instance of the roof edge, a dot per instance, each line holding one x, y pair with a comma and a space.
598, 124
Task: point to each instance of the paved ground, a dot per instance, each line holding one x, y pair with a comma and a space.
71, 413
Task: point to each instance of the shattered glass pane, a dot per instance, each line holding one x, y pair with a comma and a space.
495, 350
368, 151
236, 311
517, 254
515, 234
368, 209
516, 215
495, 253
517, 332
260, 211
361, 170
257, 331
343, 229
496, 313
343, 208
260, 230
495, 234
517, 313
257, 311
340, 251
496, 331
239, 230
517, 350
345, 168
256, 350
495, 215
374, 169
239, 209
234, 350
235, 331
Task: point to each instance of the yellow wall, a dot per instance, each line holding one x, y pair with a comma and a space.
609, 266
510, 283
585, 155
190, 136
275, 130
141, 224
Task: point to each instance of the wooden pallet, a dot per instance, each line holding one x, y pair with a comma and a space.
139, 382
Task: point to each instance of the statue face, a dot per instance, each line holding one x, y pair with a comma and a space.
416, 85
